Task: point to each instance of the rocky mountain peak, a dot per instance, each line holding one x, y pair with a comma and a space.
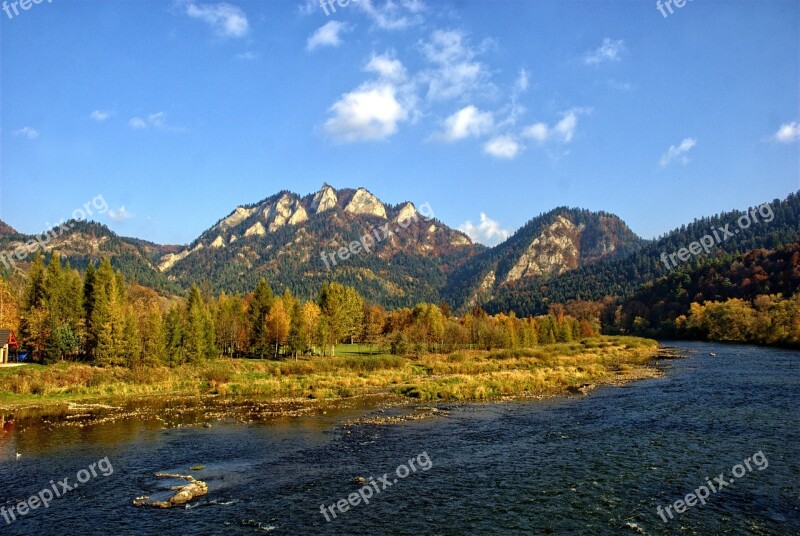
555, 251
324, 200
236, 217
407, 212
364, 203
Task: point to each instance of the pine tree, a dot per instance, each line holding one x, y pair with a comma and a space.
34, 327
173, 328
198, 338
131, 337
259, 307
152, 337
106, 324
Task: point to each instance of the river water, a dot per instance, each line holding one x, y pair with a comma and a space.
596, 464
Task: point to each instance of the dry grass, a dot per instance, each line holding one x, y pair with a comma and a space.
461, 375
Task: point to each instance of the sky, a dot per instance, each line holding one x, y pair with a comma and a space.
175, 112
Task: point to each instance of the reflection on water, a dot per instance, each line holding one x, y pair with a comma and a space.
38, 430
599, 464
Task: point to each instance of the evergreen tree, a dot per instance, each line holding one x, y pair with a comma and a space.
259, 307
198, 338
106, 325
152, 336
173, 336
34, 328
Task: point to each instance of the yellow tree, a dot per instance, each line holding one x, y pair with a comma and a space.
277, 325
311, 316
374, 320
9, 307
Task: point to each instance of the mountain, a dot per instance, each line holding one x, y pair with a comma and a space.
401, 255
549, 245
283, 238
80, 242
777, 223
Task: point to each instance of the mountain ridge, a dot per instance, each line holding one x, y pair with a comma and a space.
565, 253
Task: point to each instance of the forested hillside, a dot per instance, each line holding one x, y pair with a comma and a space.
746, 298
623, 276
551, 244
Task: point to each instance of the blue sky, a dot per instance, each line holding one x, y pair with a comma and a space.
491, 111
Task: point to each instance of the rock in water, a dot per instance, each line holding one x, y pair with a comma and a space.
182, 494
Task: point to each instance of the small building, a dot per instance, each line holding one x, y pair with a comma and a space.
8, 342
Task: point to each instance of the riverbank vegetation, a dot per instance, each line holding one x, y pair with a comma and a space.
746, 298
98, 319
544, 370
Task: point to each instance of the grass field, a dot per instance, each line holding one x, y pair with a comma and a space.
460, 375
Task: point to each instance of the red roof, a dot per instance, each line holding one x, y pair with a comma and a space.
7, 337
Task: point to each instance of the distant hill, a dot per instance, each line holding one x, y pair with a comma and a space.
744, 276
82, 242
550, 245
623, 275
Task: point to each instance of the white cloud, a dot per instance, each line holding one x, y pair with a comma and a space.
456, 73
137, 122
374, 110
678, 151
609, 50
503, 147
788, 132
538, 131
487, 232
387, 67
522, 83
371, 112
99, 115
392, 14
227, 20
563, 131
327, 35
447, 46
155, 120
120, 214
27, 132
468, 121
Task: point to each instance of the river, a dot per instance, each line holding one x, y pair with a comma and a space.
597, 464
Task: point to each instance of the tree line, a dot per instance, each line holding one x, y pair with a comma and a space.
742, 298
623, 276
100, 318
